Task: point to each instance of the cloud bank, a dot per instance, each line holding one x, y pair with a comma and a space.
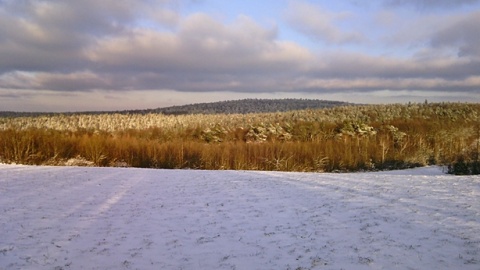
85, 46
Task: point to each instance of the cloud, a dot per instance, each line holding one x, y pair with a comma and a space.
122, 46
361, 65
372, 84
201, 45
320, 24
51, 35
433, 36
461, 33
203, 54
431, 4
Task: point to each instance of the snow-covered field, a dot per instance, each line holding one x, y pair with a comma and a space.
119, 218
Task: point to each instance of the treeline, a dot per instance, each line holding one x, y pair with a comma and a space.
250, 106
242, 106
355, 138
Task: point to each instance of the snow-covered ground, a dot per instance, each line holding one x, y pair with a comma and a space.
118, 218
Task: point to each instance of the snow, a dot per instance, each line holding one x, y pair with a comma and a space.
125, 218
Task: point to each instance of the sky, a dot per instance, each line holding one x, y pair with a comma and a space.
58, 56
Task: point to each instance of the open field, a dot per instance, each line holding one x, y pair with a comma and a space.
126, 218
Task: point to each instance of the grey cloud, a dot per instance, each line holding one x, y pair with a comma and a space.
439, 36
431, 4
52, 35
82, 17
470, 85
54, 81
357, 65
359, 72
462, 33
201, 54
11, 95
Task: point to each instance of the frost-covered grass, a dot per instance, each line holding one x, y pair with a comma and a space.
125, 218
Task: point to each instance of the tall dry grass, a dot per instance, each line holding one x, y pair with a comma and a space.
375, 137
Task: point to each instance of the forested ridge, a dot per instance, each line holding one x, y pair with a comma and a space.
341, 138
242, 106
251, 106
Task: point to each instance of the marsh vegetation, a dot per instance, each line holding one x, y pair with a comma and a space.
344, 138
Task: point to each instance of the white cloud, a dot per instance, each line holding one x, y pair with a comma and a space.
320, 24
202, 45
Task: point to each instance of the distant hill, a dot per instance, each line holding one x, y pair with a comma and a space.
242, 106
250, 106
